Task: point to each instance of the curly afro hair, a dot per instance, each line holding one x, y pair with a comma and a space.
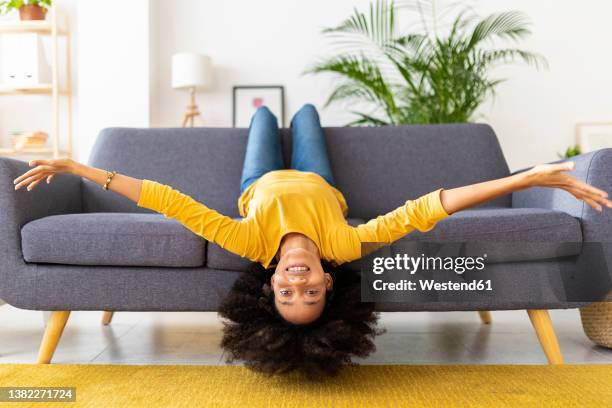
255, 333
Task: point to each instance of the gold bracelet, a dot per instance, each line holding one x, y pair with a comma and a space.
109, 177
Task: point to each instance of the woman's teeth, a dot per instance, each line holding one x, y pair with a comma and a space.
298, 268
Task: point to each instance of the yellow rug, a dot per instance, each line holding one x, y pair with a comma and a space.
362, 386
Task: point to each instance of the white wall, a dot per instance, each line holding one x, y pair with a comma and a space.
535, 112
114, 65
272, 41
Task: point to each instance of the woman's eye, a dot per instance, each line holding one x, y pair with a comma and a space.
285, 292
312, 292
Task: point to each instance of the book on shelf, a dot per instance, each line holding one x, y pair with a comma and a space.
26, 140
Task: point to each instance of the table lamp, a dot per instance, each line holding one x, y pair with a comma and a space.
191, 71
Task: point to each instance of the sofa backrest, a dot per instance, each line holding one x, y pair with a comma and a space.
377, 168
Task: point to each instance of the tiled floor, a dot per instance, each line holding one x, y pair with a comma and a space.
193, 338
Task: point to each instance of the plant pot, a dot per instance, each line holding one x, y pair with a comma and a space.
32, 12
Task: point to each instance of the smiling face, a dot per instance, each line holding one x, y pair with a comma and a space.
300, 285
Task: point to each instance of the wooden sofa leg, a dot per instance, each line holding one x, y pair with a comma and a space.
52, 335
107, 318
485, 316
540, 319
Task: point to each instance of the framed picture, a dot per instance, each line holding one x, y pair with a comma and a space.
246, 99
593, 136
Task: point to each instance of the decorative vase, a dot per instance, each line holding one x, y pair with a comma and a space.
32, 12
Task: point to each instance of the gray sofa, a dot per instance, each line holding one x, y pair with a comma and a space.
71, 246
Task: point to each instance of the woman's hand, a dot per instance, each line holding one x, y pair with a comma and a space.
544, 175
44, 169
552, 175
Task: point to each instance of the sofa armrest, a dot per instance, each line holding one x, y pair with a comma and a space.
595, 260
18, 207
594, 168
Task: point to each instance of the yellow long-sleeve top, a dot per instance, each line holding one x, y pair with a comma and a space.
285, 201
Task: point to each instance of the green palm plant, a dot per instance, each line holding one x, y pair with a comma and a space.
436, 73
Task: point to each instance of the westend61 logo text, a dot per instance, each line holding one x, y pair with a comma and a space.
412, 264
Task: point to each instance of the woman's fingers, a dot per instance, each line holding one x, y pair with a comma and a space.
44, 169
592, 192
601, 200
587, 188
589, 201
594, 200
26, 182
29, 173
29, 180
21, 180
23, 176
595, 194
33, 184
34, 171
592, 203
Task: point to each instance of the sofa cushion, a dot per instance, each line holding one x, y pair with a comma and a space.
378, 168
218, 258
504, 234
124, 239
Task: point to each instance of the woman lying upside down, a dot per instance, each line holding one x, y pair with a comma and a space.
296, 309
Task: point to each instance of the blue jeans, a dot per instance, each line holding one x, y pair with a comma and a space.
264, 151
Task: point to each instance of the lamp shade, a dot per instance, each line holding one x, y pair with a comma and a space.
191, 70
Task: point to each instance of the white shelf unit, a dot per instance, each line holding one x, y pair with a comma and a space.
49, 27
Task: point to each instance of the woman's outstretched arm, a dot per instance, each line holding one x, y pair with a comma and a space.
127, 186
544, 175
425, 212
